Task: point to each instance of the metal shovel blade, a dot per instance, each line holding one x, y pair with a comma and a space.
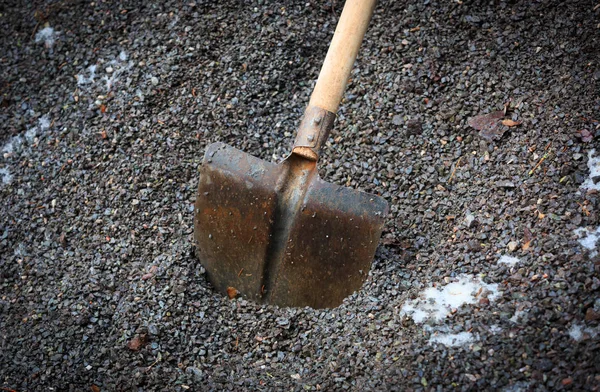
278, 234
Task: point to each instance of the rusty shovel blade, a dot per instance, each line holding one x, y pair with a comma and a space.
279, 234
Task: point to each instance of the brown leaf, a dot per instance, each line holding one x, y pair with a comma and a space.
488, 124
103, 108
527, 238
510, 123
232, 292
506, 107
137, 342
95, 388
103, 134
586, 136
62, 240
150, 273
591, 314
567, 381
393, 241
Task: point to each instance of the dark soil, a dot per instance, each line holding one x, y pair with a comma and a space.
99, 288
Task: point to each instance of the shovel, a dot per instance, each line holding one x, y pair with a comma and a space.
278, 233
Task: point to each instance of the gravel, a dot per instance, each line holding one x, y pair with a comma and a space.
106, 109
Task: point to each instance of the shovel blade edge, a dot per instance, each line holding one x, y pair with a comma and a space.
232, 218
333, 234
330, 250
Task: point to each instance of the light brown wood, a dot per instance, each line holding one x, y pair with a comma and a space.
342, 52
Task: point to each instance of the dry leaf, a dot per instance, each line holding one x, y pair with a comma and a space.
232, 292
527, 238
591, 315
586, 136
150, 273
510, 123
103, 108
103, 134
137, 342
95, 388
488, 124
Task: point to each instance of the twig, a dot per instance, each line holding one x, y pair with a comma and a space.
454, 171
35, 29
542, 159
154, 363
584, 209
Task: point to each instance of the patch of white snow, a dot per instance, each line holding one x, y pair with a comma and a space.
588, 239
435, 304
519, 386
510, 260
47, 35
452, 339
495, 329
576, 332
12, 145
518, 314
83, 80
44, 122
31, 134
6, 176
594, 166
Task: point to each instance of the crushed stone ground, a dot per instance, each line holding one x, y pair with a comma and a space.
106, 109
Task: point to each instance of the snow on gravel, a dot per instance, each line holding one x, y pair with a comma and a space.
452, 339
6, 176
83, 80
510, 260
517, 316
12, 145
594, 166
577, 332
495, 329
588, 239
435, 304
15, 143
47, 35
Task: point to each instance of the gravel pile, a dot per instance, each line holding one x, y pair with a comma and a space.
488, 277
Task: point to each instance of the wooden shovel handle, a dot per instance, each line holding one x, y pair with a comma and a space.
342, 52
320, 114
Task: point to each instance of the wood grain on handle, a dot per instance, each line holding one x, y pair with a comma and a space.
342, 52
